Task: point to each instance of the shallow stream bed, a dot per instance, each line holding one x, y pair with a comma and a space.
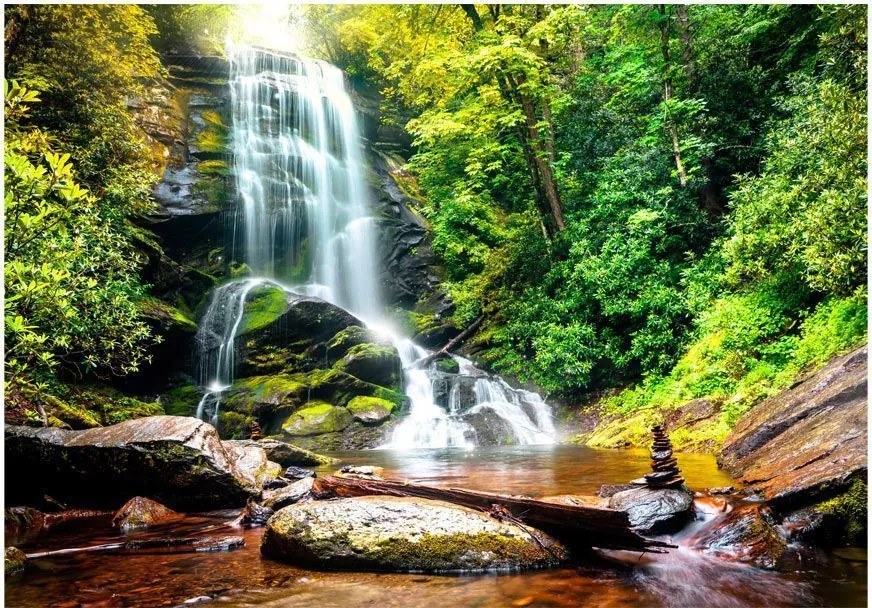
242, 578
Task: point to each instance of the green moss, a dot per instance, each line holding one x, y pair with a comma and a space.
218, 168
263, 307
448, 366
850, 510
316, 419
215, 137
239, 270
363, 404
181, 401
433, 552
166, 313
248, 394
233, 425
215, 190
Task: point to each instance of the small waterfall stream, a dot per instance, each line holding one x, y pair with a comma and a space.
304, 224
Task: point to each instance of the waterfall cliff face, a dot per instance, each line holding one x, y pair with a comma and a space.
304, 223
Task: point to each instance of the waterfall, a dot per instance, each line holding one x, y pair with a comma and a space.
304, 224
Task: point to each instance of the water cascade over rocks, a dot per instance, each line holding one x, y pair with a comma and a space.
304, 225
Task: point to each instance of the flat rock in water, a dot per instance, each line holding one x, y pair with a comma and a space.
277, 499
361, 472
403, 534
178, 460
654, 509
140, 512
808, 442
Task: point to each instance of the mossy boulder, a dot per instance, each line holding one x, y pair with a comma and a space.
267, 397
15, 560
340, 388
370, 410
349, 337
376, 363
317, 419
840, 520
403, 534
263, 307
181, 401
287, 454
234, 425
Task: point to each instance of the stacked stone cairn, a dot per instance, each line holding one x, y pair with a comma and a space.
663, 463
255, 434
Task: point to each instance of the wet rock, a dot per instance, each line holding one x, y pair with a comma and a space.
720, 490
710, 505
807, 443
490, 428
370, 410
447, 365
187, 544
654, 509
254, 514
295, 473
287, 454
402, 534
140, 512
361, 472
837, 521
282, 497
176, 460
15, 560
745, 534
577, 500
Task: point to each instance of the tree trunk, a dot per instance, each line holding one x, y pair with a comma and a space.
576, 525
667, 95
686, 36
473, 15
452, 344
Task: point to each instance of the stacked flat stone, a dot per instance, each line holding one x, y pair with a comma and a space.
663, 463
256, 434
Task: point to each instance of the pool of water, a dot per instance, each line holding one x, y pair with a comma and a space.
162, 577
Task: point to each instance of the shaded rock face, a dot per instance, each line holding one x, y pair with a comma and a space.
179, 461
745, 534
489, 427
402, 534
654, 509
141, 512
807, 443
285, 454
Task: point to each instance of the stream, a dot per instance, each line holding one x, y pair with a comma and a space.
161, 577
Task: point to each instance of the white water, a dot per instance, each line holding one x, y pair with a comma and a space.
305, 220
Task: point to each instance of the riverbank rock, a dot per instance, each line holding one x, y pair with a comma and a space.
140, 512
282, 497
176, 460
806, 447
286, 454
654, 510
746, 534
15, 560
402, 534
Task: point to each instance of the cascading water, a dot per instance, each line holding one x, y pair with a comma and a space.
304, 225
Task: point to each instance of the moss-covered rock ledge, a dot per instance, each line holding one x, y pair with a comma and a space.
306, 369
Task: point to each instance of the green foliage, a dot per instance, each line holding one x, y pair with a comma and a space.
72, 289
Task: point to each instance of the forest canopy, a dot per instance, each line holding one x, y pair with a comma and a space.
671, 197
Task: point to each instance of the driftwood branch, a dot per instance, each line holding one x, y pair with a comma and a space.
575, 525
452, 344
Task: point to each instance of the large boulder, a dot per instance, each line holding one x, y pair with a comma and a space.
370, 410
403, 534
807, 443
376, 363
177, 460
288, 495
654, 509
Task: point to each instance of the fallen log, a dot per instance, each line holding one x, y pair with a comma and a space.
579, 526
452, 344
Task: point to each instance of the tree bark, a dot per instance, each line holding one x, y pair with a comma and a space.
473, 15
686, 36
576, 525
667, 95
452, 344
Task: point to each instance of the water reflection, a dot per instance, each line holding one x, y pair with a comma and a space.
242, 578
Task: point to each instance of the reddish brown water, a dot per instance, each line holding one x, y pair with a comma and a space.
242, 578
